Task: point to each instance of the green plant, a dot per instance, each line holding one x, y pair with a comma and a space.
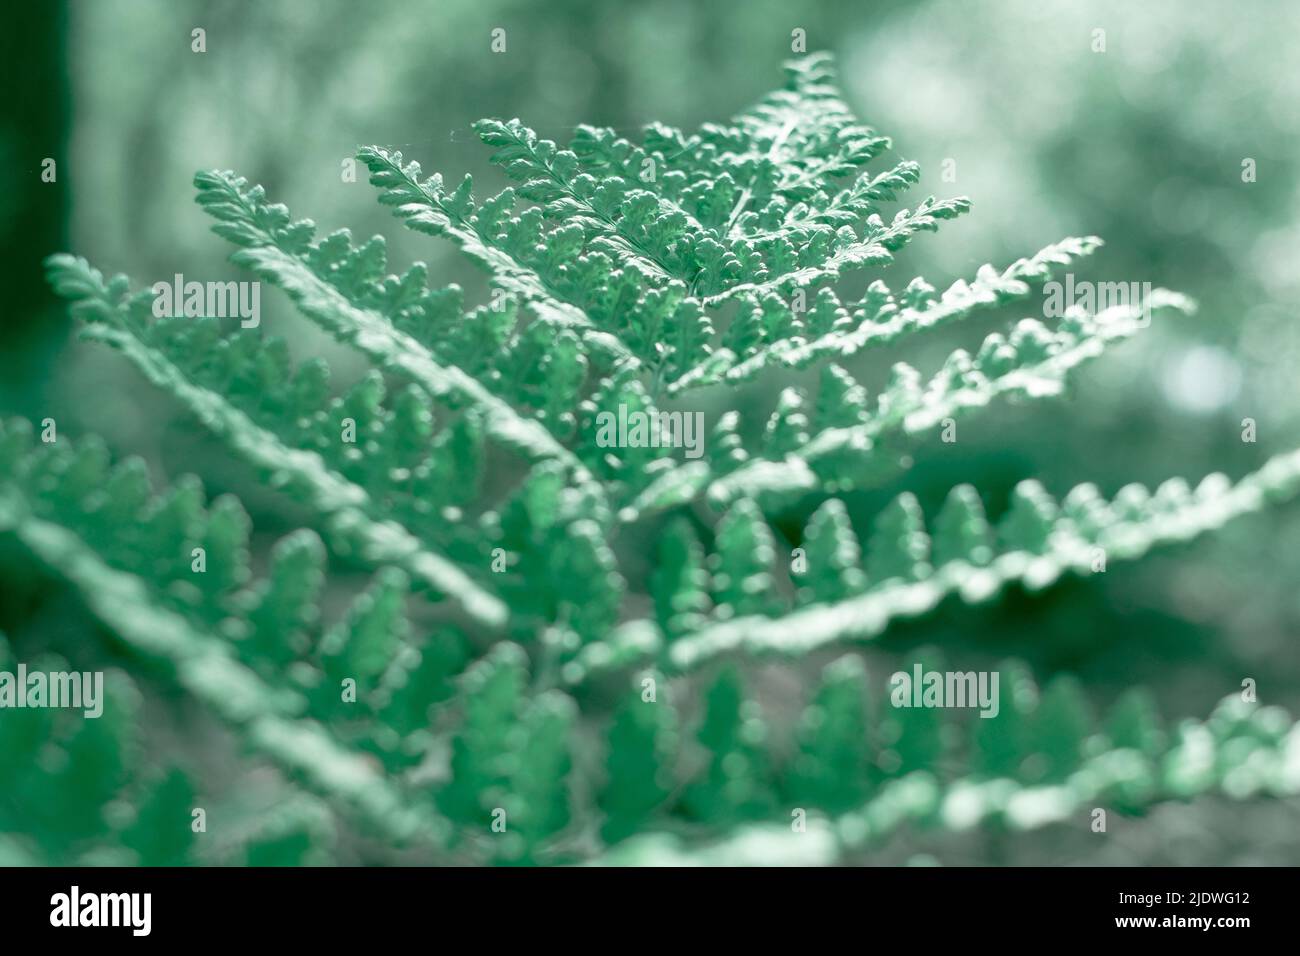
517, 683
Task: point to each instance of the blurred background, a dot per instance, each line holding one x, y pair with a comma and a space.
1142, 144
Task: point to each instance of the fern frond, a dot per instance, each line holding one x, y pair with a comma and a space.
167, 354
624, 275
280, 250
1035, 544
506, 248
830, 329
1039, 542
85, 540
1241, 751
613, 218
673, 215
828, 253
844, 444
60, 774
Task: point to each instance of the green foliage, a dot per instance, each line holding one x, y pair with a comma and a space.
831, 770
1241, 749
741, 563
681, 582
528, 582
734, 785
641, 752
832, 554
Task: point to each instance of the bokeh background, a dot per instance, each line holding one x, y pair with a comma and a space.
1142, 144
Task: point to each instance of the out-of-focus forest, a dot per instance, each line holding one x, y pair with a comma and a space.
1142, 144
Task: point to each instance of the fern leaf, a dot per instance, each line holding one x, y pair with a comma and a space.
832, 769
279, 251
880, 317
735, 785
202, 660
348, 509
1175, 515
1033, 363
622, 275
1204, 756
640, 763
